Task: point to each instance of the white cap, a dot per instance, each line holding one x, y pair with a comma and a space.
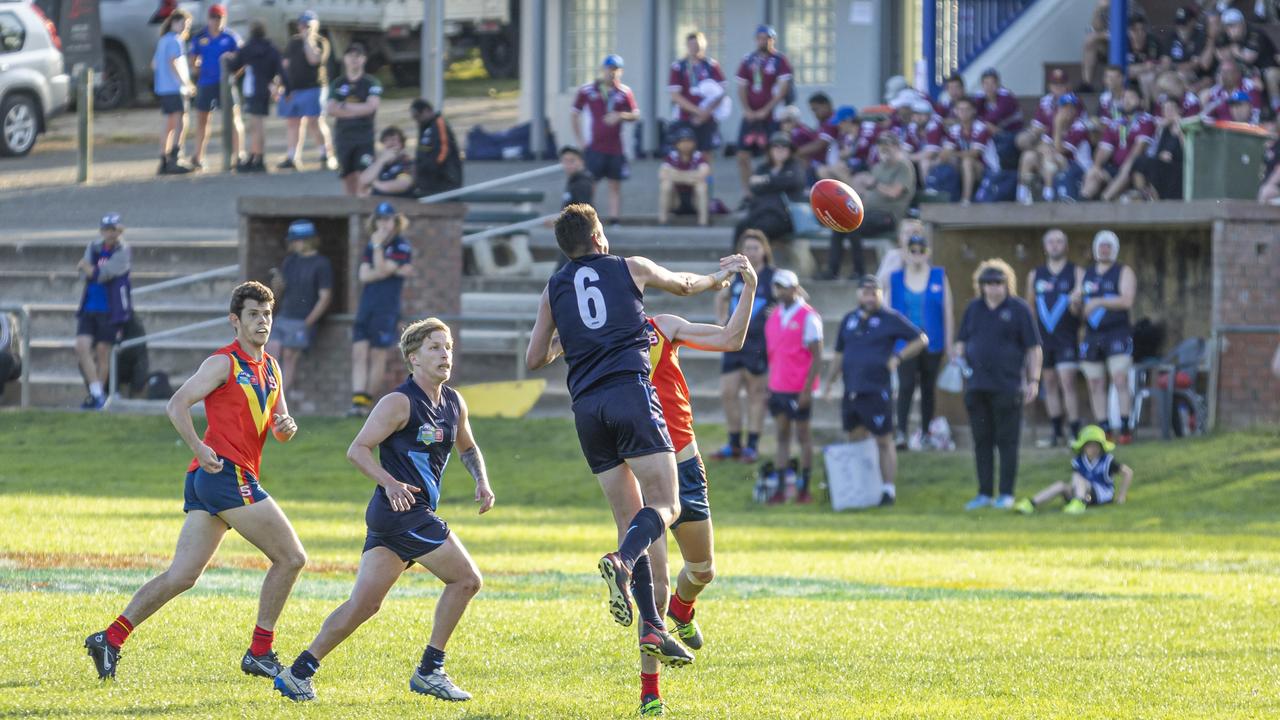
905, 98
1106, 237
790, 112
893, 86
920, 105
785, 278
1232, 17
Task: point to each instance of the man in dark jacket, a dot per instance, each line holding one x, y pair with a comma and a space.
437, 166
258, 64
105, 306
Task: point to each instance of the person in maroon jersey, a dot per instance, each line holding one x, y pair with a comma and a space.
1217, 106
1046, 109
997, 105
608, 104
922, 140
952, 91
1064, 146
683, 179
764, 79
968, 148
693, 108
1123, 142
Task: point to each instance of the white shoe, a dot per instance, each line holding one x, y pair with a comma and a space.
439, 685
1023, 195
295, 689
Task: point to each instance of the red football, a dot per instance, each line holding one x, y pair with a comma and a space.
836, 205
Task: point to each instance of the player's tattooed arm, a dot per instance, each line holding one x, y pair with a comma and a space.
472, 460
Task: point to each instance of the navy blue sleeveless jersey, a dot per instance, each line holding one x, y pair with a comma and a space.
1053, 298
762, 301
599, 313
1104, 285
415, 455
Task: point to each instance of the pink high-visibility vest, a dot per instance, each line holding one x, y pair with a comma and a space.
789, 357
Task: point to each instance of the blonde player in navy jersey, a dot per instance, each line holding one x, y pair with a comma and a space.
414, 428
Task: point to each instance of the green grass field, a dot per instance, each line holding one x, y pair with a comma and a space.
1166, 607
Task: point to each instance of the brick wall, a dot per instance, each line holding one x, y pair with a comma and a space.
1246, 260
323, 382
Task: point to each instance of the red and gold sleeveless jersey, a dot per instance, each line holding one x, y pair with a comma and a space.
673, 391
239, 411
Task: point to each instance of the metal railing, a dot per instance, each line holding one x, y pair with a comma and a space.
224, 271
956, 32
504, 230
496, 182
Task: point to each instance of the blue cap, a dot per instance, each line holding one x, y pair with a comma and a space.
845, 112
301, 230
612, 61
385, 209
1240, 96
308, 16
1069, 99
111, 220
766, 30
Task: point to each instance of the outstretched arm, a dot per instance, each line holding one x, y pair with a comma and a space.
389, 415
541, 352
718, 338
212, 373
647, 273
472, 460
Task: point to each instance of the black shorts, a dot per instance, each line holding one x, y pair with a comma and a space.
612, 167
170, 104
619, 420
1057, 352
353, 157
753, 360
259, 105
874, 411
707, 135
788, 404
753, 136
98, 326
410, 544
379, 329
693, 491
1099, 346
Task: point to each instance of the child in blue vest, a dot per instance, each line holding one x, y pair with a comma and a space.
1093, 477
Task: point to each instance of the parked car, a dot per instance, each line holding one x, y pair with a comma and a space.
33, 81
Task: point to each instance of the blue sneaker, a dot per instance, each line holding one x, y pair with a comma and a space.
93, 402
749, 455
1004, 502
728, 452
979, 502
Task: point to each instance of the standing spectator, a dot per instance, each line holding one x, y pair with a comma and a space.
693, 108
392, 172
172, 88
105, 306
998, 341
886, 192
1097, 40
1187, 44
353, 103
207, 48
1111, 101
1049, 289
1217, 104
967, 153
1144, 53
303, 286
260, 61
1059, 162
746, 369
1103, 301
1123, 142
793, 336
684, 178
873, 343
764, 83
608, 103
777, 182
383, 267
1252, 48
952, 90
437, 165
921, 292
1157, 174
306, 65
579, 186
997, 105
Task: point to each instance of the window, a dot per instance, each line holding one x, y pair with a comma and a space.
12, 35
704, 15
588, 38
808, 39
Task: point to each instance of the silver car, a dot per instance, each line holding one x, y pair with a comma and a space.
33, 83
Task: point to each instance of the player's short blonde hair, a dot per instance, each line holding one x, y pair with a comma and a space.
1010, 278
413, 336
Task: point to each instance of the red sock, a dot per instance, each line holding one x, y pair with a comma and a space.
261, 641
648, 684
680, 608
119, 632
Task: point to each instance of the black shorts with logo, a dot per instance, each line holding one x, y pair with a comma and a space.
788, 404
410, 544
874, 411
353, 157
618, 420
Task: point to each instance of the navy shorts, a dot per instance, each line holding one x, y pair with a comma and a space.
1099, 346
788, 404
379, 329
602, 165
232, 487
170, 104
753, 360
620, 420
259, 105
1058, 352
98, 326
693, 491
410, 544
874, 411
209, 98
353, 157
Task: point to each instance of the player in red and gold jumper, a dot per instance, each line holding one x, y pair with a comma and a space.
243, 398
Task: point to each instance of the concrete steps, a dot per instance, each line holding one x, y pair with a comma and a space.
58, 320
53, 286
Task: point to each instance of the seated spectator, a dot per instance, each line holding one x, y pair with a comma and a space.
1240, 108
437, 165
1269, 193
1122, 143
852, 152
1097, 40
825, 127
922, 139
1230, 80
392, 171
775, 184
886, 191
997, 105
952, 91
1042, 124
1157, 174
1214, 40
1060, 159
1170, 85
1109, 101
1253, 50
1093, 473
967, 153
1187, 44
684, 179
803, 137
303, 286
579, 186
1144, 53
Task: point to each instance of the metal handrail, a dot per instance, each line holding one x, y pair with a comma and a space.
114, 385
496, 182
224, 271
508, 229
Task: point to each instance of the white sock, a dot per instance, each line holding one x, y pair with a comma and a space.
95, 389
1024, 194
1048, 193
891, 490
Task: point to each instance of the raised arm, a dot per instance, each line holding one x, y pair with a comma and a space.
647, 273
472, 460
541, 351
717, 338
211, 375
389, 415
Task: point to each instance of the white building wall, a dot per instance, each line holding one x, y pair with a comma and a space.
1049, 31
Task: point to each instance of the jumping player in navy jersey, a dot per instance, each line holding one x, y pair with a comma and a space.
1049, 289
414, 428
595, 304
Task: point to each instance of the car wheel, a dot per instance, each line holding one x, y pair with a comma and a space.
19, 123
500, 55
116, 90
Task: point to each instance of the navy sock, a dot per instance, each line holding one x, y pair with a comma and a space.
753, 440
1124, 423
803, 484
646, 527
735, 440
432, 660
642, 591
1057, 426
1105, 425
1075, 429
305, 666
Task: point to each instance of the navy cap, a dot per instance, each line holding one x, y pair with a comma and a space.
612, 61
869, 281
992, 275
301, 230
845, 112
766, 30
683, 133
308, 16
385, 209
110, 220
